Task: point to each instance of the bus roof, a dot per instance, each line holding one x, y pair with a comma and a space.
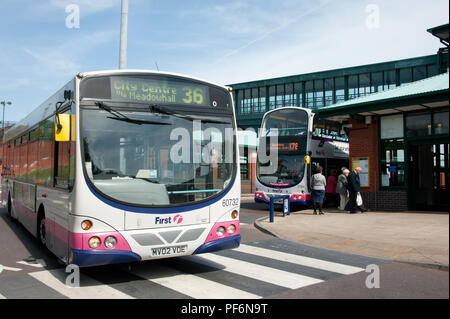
47, 108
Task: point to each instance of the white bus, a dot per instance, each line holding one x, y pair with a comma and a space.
95, 173
300, 134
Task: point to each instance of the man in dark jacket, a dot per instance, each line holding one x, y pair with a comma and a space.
353, 187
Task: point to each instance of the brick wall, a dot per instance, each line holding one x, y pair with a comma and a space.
385, 200
363, 139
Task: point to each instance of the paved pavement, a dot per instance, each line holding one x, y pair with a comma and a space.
414, 237
262, 267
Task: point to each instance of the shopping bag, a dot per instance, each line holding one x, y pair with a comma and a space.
359, 201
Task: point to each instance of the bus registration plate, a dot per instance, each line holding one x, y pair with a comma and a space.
171, 250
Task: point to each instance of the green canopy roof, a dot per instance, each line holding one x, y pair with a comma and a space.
427, 93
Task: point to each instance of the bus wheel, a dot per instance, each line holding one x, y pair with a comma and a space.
41, 231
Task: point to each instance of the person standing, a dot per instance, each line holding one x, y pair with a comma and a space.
353, 186
341, 188
318, 184
330, 189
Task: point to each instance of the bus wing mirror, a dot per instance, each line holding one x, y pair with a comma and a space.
307, 160
62, 128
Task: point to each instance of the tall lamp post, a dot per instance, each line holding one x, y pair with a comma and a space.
123, 35
4, 103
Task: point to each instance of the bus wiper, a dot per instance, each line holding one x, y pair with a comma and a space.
108, 109
135, 121
121, 117
162, 110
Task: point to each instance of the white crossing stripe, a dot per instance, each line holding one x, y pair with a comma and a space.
2, 297
39, 263
10, 268
263, 273
89, 288
300, 260
244, 224
190, 285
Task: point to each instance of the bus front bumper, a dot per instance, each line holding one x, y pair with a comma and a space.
219, 244
89, 258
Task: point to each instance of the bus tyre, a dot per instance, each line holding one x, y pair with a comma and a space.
41, 231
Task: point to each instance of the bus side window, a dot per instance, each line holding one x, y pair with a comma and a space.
45, 160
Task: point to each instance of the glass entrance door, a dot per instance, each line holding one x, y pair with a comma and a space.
429, 176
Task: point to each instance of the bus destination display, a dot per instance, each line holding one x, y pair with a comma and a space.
294, 145
160, 92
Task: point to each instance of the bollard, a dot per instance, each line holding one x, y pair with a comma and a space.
286, 206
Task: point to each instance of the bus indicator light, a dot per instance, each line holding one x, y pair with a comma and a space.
86, 224
234, 214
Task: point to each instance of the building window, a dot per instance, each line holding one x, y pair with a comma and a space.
262, 99
245, 167
309, 94
318, 94
329, 88
340, 89
389, 80
289, 96
364, 84
440, 122
352, 87
298, 94
255, 101
418, 124
392, 157
280, 96
239, 100
419, 73
392, 163
391, 126
432, 70
272, 104
377, 82
405, 76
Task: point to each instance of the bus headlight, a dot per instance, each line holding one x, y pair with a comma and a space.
220, 231
110, 242
231, 229
94, 242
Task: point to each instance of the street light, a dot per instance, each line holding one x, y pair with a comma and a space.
3, 120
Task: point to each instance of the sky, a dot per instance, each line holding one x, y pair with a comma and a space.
226, 42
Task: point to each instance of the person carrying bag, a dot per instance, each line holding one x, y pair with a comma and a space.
353, 187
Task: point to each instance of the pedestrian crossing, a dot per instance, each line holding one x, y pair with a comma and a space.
252, 271
89, 288
300, 260
188, 284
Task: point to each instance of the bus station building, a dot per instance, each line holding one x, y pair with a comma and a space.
412, 92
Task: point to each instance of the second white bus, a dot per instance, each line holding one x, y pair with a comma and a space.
300, 135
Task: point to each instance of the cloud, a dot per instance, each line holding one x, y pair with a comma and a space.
284, 24
67, 57
333, 36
